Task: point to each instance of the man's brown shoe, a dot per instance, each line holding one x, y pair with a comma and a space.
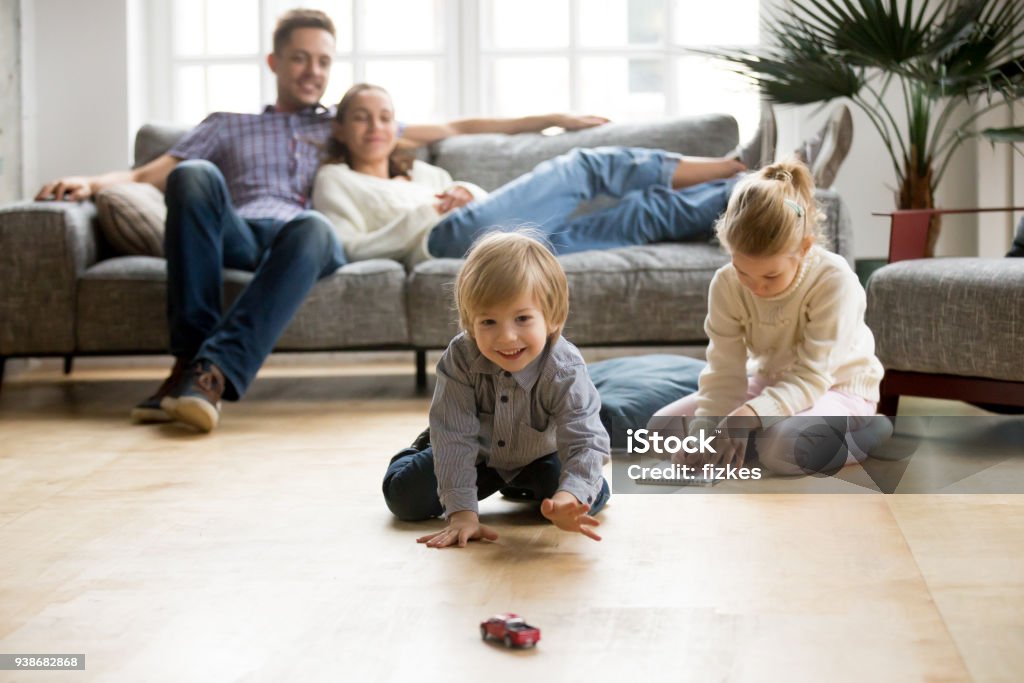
151, 409
198, 402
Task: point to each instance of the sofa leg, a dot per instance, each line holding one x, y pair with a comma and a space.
421, 369
69, 364
888, 404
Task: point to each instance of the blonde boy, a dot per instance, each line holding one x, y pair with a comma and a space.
514, 408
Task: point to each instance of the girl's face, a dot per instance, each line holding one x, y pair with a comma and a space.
767, 276
369, 129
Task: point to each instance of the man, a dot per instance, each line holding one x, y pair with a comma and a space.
237, 191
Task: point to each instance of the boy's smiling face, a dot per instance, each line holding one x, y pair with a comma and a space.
513, 334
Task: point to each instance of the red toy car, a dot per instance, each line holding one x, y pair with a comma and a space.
510, 629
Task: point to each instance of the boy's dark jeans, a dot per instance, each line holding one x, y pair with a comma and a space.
410, 487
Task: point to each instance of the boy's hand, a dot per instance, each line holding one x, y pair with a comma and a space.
569, 514
463, 526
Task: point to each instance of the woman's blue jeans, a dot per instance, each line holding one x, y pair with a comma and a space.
205, 234
546, 198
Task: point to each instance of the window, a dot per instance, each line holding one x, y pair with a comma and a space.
443, 59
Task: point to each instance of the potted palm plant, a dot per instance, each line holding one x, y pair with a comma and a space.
936, 54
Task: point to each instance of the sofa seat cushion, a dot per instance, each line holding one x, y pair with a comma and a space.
956, 316
633, 388
122, 304
647, 294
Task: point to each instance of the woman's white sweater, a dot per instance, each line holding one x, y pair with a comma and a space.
805, 341
383, 217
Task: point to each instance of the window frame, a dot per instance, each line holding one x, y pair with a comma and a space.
463, 60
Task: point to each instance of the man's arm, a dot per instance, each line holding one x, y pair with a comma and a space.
75, 188
424, 134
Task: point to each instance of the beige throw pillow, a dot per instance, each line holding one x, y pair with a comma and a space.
132, 218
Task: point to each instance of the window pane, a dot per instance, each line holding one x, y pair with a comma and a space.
614, 23
722, 22
530, 85
233, 27
707, 86
402, 25
189, 27
529, 23
622, 88
340, 12
190, 94
340, 81
413, 87
233, 87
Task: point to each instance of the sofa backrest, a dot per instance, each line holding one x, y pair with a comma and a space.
492, 160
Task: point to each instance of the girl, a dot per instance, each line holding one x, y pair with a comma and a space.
383, 206
786, 331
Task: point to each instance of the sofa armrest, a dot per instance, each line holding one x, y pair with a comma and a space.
44, 248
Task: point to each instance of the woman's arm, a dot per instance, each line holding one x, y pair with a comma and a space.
337, 199
417, 135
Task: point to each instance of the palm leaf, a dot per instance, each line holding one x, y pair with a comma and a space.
1011, 135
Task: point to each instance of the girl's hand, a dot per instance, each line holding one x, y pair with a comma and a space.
463, 526
568, 514
453, 198
736, 429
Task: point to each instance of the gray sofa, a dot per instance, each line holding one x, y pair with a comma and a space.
64, 293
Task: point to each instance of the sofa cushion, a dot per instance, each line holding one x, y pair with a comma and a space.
633, 388
956, 316
493, 160
122, 307
646, 294
132, 217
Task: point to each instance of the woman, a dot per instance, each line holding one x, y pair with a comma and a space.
386, 206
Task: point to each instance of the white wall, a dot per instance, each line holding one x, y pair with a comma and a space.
77, 100
10, 101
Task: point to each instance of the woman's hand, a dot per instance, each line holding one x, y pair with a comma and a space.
569, 514
454, 197
463, 526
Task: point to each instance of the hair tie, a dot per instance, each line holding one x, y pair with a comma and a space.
796, 207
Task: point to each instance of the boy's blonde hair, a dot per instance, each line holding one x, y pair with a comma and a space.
771, 212
502, 266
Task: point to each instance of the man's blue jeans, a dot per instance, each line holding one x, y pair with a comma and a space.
546, 198
205, 234
410, 486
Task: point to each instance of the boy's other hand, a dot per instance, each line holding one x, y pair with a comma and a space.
569, 514
463, 526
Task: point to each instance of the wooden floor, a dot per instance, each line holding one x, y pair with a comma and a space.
264, 552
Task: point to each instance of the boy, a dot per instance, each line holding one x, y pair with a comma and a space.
514, 408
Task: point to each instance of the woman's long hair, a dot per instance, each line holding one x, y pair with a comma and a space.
336, 152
